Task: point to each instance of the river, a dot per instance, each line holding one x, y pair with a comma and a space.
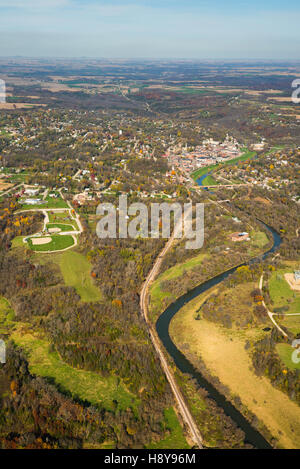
252, 435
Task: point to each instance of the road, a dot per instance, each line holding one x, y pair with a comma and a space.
183, 408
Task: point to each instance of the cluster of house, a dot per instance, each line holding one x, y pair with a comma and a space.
210, 152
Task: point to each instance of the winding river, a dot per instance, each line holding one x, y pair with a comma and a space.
252, 435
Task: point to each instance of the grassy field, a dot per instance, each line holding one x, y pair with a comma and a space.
223, 351
18, 242
75, 268
83, 385
76, 271
291, 322
285, 352
59, 217
58, 243
209, 181
157, 294
259, 238
63, 218
61, 226
199, 172
49, 203
281, 293
174, 438
6, 316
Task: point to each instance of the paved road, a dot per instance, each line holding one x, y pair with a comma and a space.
183, 408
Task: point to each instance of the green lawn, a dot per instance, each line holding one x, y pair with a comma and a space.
48, 203
83, 385
281, 293
76, 271
55, 217
175, 438
199, 172
285, 352
63, 218
247, 155
58, 243
259, 239
61, 226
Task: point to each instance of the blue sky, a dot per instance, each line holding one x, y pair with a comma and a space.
201, 29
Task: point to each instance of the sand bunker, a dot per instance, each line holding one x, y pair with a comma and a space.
38, 241
54, 230
290, 278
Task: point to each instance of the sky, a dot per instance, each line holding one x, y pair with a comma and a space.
196, 29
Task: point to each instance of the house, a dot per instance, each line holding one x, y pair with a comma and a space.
237, 237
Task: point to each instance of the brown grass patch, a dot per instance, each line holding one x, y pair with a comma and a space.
5, 185
223, 351
263, 200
